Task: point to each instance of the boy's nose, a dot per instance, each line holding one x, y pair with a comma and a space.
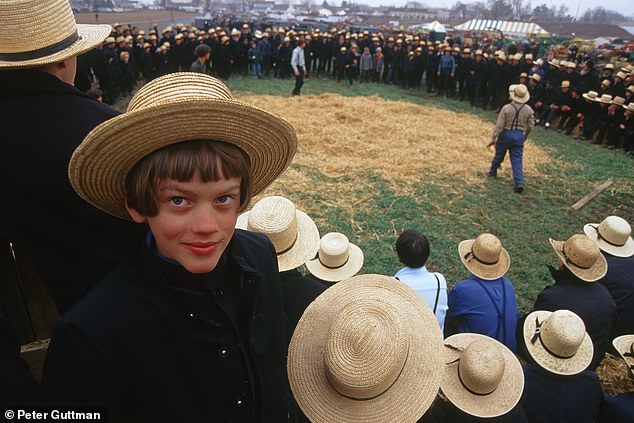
205, 220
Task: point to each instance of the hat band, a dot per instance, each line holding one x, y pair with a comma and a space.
596, 228
334, 267
41, 52
289, 248
537, 336
470, 253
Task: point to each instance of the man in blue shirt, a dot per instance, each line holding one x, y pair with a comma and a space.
484, 302
412, 248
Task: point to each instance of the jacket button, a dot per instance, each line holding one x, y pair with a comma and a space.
219, 292
238, 402
223, 352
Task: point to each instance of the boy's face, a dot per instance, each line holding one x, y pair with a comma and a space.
195, 220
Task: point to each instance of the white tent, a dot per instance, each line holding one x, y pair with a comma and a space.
507, 27
434, 26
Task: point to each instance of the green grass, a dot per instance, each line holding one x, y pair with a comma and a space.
448, 211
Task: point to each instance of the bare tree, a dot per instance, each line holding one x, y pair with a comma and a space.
499, 9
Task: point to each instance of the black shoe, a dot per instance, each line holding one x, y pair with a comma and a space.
518, 189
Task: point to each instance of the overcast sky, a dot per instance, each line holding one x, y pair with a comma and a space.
625, 7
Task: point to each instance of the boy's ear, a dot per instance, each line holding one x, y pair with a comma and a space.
136, 216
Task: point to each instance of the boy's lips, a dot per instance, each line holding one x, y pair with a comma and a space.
202, 248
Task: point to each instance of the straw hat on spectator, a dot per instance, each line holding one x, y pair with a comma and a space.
483, 377
629, 107
565, 84
292, 232
591, 95
538, 62
571, 65
35, 33
337, 258
609, 66
484, 256
558, 341
519, 93
581, 256
537, 77
554, 62
170, 109
605, 99
624, 345
619, 101
620, 75
613, 235
528, 56
367, 350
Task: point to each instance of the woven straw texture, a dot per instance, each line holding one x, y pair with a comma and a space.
624, 344
292, 232
29, 25
366, 337
582, 257
505, 395
337, 258
172, 109
561, 336
485, 257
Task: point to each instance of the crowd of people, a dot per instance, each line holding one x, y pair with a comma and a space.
178, 302
575, 95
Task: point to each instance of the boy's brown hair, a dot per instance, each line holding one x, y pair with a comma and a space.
213, 160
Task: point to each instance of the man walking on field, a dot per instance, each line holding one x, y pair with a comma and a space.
515, 121
298, 64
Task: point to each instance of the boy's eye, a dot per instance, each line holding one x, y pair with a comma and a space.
178, 201
224, 199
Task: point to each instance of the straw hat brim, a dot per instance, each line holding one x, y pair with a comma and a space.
587, 97
349, 269
99, 166
591, 274
413, 391
497, 403
484, 271
560, 366
305, 246
622, 345
90, 36
625, 250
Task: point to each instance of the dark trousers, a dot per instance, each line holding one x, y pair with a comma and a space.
299, 80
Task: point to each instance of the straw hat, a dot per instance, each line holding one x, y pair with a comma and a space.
528, 56
482, 376
337, 259
609, 66
605, 99
629, 107
292, 232
40, 32
558, 341
519, 93
484, 256
582, 257
517, 56
554, 62
523, 75
538, 62
571, 65
537, 77
624, 345
171, 109
619, 101
621, 75
565, 84
367, 350
613, 235
591, 95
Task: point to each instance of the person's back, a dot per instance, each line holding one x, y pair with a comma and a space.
413, 251
485, 302
71, 244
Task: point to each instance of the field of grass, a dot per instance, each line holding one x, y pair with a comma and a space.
371, 209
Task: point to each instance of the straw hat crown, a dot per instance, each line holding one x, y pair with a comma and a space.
562, 333
481, 367
484, 256
487, 248
39, 32
612, 235
337, 258
591, 95
582, 257
519, 93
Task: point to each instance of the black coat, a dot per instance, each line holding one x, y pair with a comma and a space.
72, 245
619, 281
154, 342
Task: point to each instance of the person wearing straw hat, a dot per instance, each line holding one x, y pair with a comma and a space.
44, 120
575, 288
613, 236
620, 407
484, 302
337, 259
296, 240
483, 381
190, 326
412, 248
557, 386
368, 350
515, 121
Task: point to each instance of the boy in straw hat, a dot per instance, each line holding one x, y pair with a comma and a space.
613, 236
44, 119
190, 326
515, 121
484, 302
580, 266
368, 350
557, 386
412, 248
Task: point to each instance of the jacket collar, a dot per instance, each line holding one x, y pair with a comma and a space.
32, 82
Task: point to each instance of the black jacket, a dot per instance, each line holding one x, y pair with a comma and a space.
72, 245
153, 342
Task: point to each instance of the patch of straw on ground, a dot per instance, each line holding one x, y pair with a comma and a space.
614, 375
401, 141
